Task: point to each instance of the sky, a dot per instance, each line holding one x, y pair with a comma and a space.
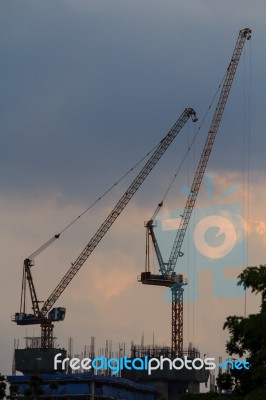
88, 88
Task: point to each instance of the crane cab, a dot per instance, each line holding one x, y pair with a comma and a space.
57, 314
169, 280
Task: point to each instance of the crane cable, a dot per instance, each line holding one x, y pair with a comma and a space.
188, 263
247, 130
56, 236
187, 152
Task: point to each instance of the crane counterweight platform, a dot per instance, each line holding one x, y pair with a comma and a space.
45, 315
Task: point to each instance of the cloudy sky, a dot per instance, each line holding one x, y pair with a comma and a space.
88, 87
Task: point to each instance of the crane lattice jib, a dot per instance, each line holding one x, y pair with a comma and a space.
149, 226
230, 73
159, 151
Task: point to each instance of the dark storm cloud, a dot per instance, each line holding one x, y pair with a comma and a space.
89, 86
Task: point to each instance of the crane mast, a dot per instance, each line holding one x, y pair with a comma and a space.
57, 314
168, 277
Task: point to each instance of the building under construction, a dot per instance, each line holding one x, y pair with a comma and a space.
169, 382
39, 353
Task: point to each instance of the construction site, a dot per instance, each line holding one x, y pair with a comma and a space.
38, 356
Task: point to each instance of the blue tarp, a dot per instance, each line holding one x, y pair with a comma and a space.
117, 392
118, 388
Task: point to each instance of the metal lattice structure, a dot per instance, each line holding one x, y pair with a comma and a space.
164, 144
177, 321
168, 277
40, 316
230, 73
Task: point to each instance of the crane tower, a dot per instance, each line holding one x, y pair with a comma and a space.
45, 316
167, 276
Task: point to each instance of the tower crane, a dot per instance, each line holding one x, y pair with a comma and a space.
46, 315
167, 276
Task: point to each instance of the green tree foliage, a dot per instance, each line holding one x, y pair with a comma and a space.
225, 381
257, 394
35, 387
2, 387
53, 386
207, 396
13, 391
248, 335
